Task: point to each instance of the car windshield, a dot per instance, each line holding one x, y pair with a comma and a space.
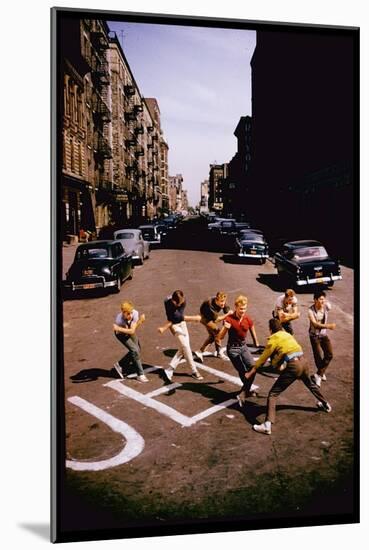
253, 238
122, 236
310, 253
88, 253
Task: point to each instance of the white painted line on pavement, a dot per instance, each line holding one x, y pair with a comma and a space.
213, 410
234, 379
134, 446
163, 389
148, 402
149, 369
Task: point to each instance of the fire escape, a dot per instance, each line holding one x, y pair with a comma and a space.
135, 173
101, 116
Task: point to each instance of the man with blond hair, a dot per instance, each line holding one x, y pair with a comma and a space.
213, 311
125, 326
237, 324
286, 310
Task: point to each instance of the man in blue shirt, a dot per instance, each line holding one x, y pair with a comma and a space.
174, 309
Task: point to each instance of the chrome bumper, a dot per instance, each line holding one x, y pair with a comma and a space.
245, 255
88, 286
319, 280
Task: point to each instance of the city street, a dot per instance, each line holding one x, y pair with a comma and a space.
140, 451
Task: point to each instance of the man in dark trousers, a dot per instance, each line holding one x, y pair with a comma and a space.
213, 311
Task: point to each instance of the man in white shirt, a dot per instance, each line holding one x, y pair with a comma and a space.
286, 310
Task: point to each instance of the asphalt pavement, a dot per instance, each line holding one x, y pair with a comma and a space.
152, 452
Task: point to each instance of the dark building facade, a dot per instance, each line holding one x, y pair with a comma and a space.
302, 176
236, 186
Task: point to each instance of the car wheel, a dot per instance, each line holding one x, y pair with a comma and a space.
331, 284
262, 261
141, 259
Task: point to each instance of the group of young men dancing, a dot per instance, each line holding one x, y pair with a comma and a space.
282, 349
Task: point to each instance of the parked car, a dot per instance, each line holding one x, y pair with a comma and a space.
151, 234
250, 230
307, 263
163, 230
252, 245
170, 223
134, 243
215, 223
231, 227
99, 264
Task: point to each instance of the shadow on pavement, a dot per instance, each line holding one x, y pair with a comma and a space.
90, 375
234, 259
252, 411
272, 280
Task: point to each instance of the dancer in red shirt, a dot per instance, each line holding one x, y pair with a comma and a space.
237, 325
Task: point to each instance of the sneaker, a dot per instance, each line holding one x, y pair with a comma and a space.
197, 375
316, 379
324, 378
198, 356
168, 373
119, 369
222, 355
254, 387
142, 378
326, 407
263, 428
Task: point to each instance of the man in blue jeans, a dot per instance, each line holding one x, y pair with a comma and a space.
125, 326
237, 324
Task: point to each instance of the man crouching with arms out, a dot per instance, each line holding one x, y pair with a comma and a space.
287, 355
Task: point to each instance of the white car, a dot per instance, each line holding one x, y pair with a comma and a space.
133, 243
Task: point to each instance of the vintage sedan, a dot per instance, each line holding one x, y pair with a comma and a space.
252, 244
307, 263
134, 243
151, 234
99, 264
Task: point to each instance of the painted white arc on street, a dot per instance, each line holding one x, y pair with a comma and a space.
134, 442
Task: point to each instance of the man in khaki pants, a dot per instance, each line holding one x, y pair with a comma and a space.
287, 355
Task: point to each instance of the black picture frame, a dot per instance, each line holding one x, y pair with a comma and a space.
70, 509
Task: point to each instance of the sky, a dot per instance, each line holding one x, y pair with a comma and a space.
201, 78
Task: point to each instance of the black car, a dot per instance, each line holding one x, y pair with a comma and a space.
307, 263
231, 227
150, 234
99, 264
252, 244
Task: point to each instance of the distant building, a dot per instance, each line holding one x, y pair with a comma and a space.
164, 175
184, 200
175, 192
217, 177
155, 162
204, 196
